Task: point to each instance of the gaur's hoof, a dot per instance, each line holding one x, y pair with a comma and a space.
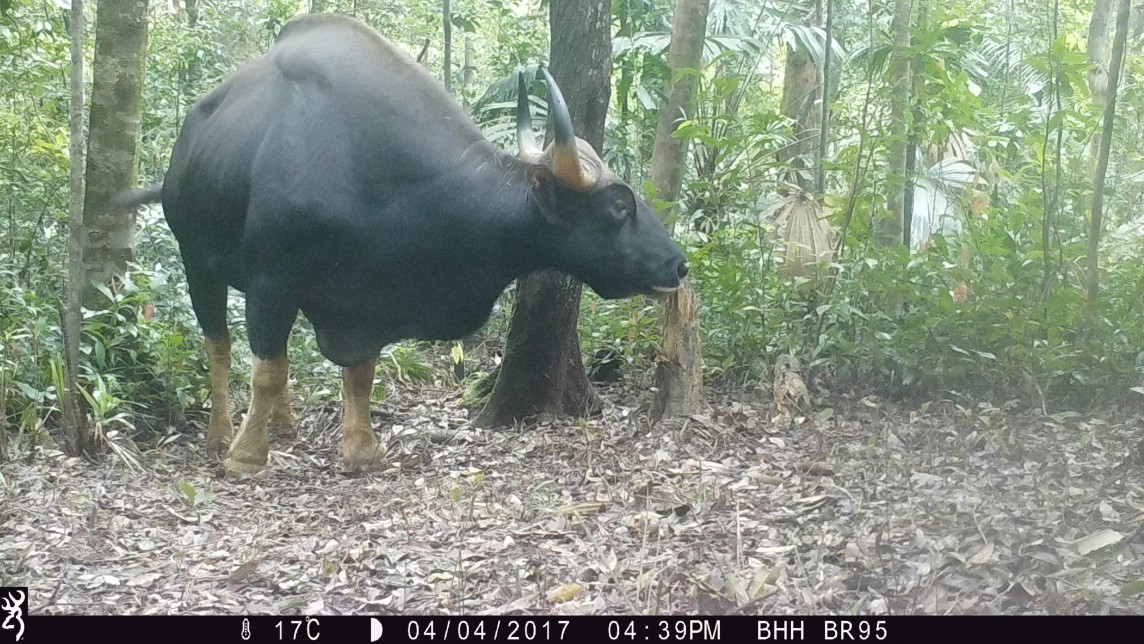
363, 452
282, 423
232, 464
217, 442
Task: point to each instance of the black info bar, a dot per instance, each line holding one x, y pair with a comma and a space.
593, 629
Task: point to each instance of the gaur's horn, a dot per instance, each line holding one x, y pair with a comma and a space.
565, 155
525, 139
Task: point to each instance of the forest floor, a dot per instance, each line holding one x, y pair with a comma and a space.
878, 508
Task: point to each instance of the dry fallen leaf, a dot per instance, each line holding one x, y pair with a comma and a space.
960, 293
565, 593
586, 507
983, 556
1096, 541
788, 389
820, 468
145, 579
245, 570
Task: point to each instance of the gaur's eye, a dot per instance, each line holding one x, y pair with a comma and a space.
621, 202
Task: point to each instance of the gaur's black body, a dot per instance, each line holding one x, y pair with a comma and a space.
335, 176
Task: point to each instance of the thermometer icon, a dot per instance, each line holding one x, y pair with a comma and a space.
245, 628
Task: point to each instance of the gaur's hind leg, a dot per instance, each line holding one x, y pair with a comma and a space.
360, 447
269, 321
208, 297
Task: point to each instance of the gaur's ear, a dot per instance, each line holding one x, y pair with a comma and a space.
543, 184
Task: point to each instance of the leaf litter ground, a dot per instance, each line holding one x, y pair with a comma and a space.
874, 508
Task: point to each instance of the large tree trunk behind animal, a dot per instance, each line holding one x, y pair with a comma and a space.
543, 371
679, 370
116, 101
76, 434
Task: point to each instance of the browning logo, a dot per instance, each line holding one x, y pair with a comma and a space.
13, 606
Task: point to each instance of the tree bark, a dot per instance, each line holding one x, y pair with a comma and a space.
1096, 221
890, 228
447, 72
543, 370
679, 368
1098, 75
800, 88
116, 103
1098, 50
913, 137
823, 131
468, 74
192, 65
76, 435
684, 56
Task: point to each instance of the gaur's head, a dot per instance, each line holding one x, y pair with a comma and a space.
595, 227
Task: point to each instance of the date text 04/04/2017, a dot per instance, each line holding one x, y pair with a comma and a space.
523, 630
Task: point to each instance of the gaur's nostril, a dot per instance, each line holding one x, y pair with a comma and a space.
682, 269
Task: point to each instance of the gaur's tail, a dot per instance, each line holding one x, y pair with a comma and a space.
132, 198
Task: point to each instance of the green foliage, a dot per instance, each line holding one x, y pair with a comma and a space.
29, 340
893, 320
629, 328
149, 360
129, 364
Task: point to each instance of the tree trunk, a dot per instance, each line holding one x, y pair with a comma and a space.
1096, 221
116, 101
76, 435
679, 368
800, 88
684, 55
318, 6
192, 65
468, 74
447, 72
890, 227
823, 131
543, 371
913, 137
1098, 75
1098, 50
